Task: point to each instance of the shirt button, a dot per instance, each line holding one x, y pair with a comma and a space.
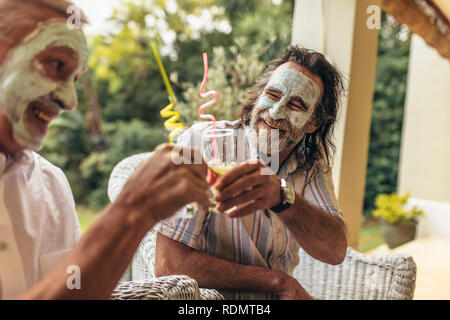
3, 246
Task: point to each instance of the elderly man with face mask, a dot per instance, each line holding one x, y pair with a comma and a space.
249, 249
41, 58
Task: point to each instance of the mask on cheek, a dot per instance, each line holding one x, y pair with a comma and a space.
23, 81
291, 83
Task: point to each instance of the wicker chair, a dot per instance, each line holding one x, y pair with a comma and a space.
144, 285
359, 277
164, 288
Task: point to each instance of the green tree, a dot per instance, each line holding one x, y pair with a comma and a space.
123, 139
66, 146
234, 72
267, 22
123, 93
127, 76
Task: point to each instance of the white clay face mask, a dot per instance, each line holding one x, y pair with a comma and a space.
291, 83
23, 81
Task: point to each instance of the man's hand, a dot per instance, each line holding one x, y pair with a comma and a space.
165, 183
245, 187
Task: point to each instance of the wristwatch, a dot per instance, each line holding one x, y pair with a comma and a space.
287, 197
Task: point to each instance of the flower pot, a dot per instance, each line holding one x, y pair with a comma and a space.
396, 234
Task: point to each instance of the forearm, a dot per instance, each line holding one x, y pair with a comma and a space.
321, 235
102, 255
213, 272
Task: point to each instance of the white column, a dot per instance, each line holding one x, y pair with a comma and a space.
338, 29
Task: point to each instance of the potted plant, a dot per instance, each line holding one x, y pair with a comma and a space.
398, 222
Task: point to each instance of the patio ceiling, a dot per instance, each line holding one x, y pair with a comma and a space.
426, 18
444, 7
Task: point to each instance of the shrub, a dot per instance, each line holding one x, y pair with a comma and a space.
393, 208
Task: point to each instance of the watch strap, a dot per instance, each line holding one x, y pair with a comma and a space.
283, 204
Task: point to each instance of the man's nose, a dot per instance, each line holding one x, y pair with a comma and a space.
65, 96
278, 111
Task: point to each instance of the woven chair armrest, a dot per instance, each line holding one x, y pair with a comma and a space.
210, 294
177, 287
385, 276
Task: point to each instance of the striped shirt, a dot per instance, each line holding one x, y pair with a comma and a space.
261, 238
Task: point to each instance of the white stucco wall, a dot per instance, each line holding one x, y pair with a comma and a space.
425, 153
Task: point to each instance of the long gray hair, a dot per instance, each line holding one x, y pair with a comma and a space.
318, 144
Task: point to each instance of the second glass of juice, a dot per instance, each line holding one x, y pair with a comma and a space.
219, 152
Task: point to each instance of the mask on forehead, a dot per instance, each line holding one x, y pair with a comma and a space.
22, 78
291, 83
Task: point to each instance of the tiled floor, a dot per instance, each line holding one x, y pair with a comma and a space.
432, 257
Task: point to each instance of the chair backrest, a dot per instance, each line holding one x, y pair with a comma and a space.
360, 276
123, 171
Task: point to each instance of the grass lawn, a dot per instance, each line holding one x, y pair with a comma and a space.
370, 235
86, 217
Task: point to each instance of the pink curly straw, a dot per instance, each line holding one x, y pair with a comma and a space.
210, 103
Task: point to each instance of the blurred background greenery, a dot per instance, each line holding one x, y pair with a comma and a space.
122, 93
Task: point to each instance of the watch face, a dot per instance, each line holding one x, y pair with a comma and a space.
287, 197
290, 194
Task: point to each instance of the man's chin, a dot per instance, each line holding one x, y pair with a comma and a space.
27, 142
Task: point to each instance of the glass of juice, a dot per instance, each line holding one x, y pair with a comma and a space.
219, 152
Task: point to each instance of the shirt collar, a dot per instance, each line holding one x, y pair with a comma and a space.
289, 166
7, 160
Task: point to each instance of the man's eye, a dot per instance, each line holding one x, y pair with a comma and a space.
273, 96
58, 65
296, 106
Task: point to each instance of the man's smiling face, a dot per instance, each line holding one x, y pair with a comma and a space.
37, 80
287, 103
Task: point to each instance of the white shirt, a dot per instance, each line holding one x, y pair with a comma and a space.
38, 221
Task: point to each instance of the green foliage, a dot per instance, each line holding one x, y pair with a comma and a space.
131, 92
127, 76
66, 145
233, 73
123, 140
267, 23
392, 208
126, 73
387, 113
69, 147
240, 38
236, 64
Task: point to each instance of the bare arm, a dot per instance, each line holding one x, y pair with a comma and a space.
102, 256
321, 235
155, 191
173, 257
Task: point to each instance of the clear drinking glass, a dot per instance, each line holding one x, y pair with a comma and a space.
219, 153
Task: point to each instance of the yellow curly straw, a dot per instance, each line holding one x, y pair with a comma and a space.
167, 112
